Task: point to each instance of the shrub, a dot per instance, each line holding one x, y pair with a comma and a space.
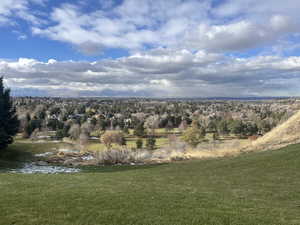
150, 143
59, 134
122, 156
139, 143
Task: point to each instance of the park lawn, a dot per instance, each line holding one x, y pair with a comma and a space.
160, 142
160, 131
251, 189
131, 143
164, 131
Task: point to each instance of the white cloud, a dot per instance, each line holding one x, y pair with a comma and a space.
256, 9
135, 24
159, 72
131, 25
22, 37
10, 9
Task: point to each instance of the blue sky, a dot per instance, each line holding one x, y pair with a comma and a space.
18, 41
174, 48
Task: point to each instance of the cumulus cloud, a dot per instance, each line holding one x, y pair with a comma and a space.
136, 25
192, 24
255, 9
10, 9
158, 73
240, 35
175, 48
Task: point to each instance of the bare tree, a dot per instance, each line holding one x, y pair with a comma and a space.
83, 140
183, 126
110, 137
86, 127
152, 123
172, 139
74, 131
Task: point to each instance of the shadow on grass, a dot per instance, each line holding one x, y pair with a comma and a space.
117, 168
13, 157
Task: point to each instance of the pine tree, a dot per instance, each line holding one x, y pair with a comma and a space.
139, 130
9, 122
150, 143
139, 143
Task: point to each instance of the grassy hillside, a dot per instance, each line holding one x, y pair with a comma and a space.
282, 135
251, 189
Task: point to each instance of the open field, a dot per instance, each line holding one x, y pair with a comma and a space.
131, 143
255, 188
161, 137
161, 140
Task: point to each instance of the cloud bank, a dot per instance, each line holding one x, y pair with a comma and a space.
158, 73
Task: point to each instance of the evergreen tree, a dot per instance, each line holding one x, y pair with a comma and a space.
150, 143
9, 123
139, 143
222, 127
139, 130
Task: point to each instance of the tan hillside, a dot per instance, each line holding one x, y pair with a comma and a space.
283, 135
280, 136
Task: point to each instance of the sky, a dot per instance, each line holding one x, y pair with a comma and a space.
146, 48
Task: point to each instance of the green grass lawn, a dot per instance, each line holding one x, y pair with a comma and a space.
251, 189
160, 131
161, 137
130, 143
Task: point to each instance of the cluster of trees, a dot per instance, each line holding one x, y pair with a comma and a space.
238, 127
78, 119
196, 133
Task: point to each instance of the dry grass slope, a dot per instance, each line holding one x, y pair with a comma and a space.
283, 135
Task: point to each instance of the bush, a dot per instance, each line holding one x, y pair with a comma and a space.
139, 143
122, 156
150, 143
59, 134
126, 156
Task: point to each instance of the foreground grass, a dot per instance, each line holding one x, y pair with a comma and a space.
252, 189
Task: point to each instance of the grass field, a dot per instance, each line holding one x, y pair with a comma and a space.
251, 189
131, 143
